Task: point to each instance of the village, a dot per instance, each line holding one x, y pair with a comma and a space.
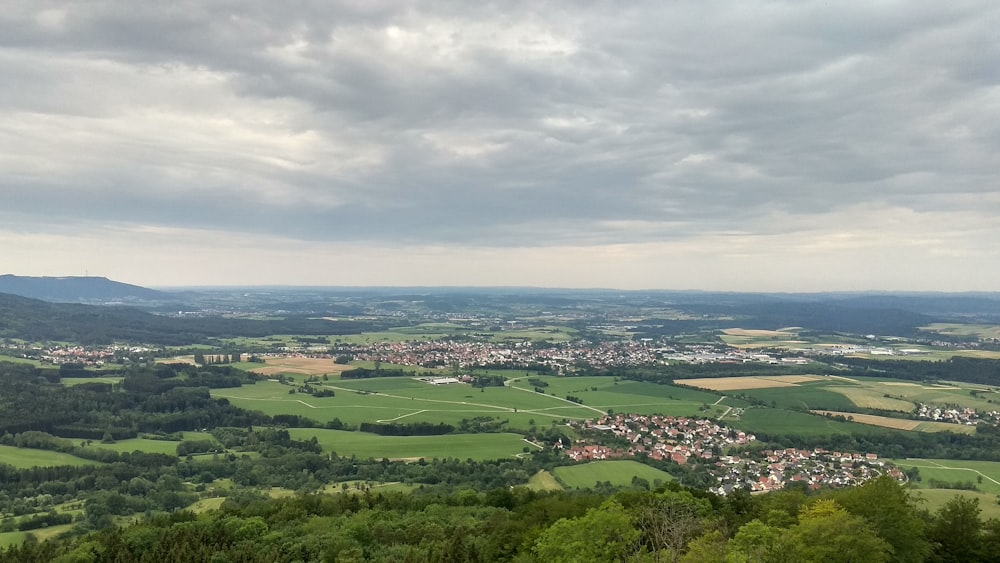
686, 440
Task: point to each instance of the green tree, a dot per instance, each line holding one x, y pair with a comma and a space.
955, 529
892, 511
826, 533
602, 534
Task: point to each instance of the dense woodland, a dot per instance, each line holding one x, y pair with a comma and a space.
877, 522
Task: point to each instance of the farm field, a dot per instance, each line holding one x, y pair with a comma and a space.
902, 423
773, 421
294, 364
747, 382
404, 399
19, 360
462, 446
955, 471
618, 472
958, 329
25, 457
843, 394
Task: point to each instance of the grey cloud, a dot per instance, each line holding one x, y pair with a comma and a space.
527, 125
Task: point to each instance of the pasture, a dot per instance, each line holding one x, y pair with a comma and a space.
405, 399
146, 445
462, 446
23, 458
617, 472
955, 471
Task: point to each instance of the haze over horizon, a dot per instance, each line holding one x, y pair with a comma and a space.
747, 146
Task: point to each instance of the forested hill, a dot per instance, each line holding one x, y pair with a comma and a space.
35, 320
77, 289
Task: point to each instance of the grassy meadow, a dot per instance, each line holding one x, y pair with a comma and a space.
404, 399
617, 472
24, 458
461, 446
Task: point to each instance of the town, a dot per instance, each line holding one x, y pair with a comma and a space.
683, 440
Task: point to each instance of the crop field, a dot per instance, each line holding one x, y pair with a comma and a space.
869, 398
904, 424
25, 457
300, 365
748, 382
779, 421
404, 399
802, 397
618, 472
461, 446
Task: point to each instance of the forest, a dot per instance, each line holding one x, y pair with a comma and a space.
880, 521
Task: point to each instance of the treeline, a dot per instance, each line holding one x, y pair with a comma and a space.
958, 368
164, 398
876, 523
34, 320
410, 429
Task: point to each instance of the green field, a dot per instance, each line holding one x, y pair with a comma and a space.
617, 472
956, 471
461, 446
957, 329
934, 499
544, 481
71, 381
19, 360
150, 446
779, 421
404, 399
25, 457
13, 538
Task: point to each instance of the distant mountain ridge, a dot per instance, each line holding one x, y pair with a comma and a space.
77, 289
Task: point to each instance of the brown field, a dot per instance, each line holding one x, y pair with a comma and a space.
755, 332
189, 359
304, 366
872, 399
750, 382
884, 421
796, 379
902, 424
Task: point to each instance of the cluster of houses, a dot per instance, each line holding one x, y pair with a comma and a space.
660, 437
557, 356
770, 470
84, 355
957, 415
690, 440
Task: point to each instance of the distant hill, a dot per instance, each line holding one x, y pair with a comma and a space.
77, 289
36, 320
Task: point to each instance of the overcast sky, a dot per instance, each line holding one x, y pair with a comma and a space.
745, 145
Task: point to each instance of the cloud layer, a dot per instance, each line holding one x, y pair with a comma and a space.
564, 143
